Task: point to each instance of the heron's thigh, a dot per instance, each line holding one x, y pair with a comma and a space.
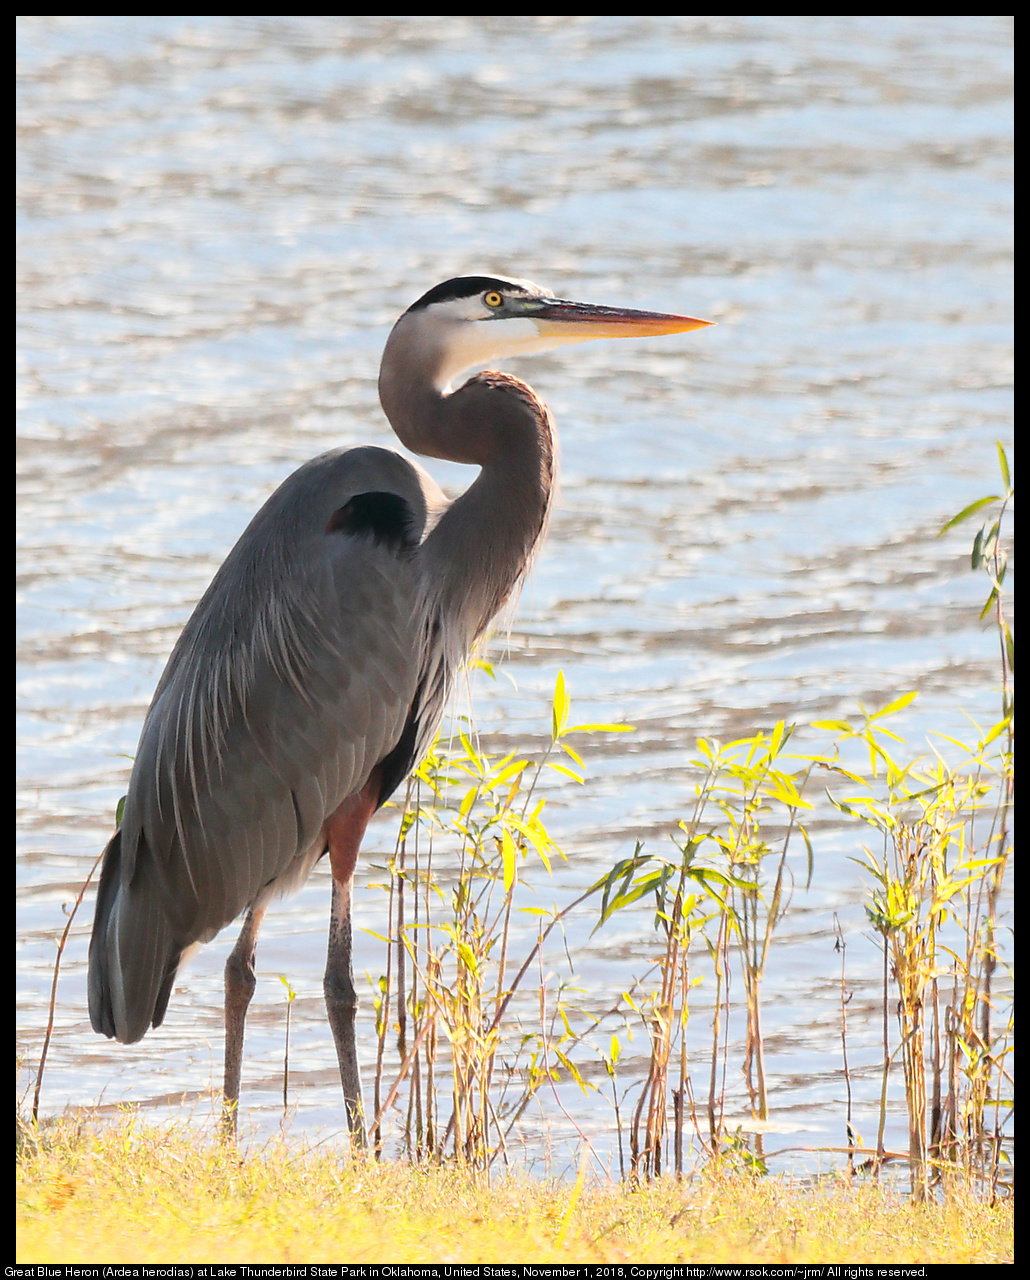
346, 828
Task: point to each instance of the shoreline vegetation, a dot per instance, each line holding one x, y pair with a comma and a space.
128, 1192
455, 1071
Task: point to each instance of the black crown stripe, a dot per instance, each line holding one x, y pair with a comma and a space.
464, 287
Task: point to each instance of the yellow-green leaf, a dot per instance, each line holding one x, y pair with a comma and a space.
998, 729
978, 864
372, 934
508, 855
570, 1066
899, 704
510, 772
971, 510
559, 707
991, 601
1003, 462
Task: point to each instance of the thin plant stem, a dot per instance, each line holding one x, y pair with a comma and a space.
845, 998
53, 988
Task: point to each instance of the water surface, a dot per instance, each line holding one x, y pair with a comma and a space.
219, 220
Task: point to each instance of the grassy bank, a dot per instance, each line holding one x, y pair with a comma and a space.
131, 1193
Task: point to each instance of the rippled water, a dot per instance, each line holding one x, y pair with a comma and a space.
219, 220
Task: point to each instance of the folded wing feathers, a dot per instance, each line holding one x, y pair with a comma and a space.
293, 678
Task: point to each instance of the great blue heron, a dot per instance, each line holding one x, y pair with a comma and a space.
313, 673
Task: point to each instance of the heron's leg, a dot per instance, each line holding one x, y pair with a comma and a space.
239, 988
341, 1004
344, 833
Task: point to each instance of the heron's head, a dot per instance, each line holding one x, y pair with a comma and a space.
472, 320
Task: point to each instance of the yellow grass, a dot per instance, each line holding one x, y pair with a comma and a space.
131, 1193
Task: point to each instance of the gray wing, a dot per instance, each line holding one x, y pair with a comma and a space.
297, 674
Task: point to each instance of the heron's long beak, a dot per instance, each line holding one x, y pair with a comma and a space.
580, 321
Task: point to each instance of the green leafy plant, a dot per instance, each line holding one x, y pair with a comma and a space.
450, 978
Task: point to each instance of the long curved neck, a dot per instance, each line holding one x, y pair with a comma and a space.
484, 542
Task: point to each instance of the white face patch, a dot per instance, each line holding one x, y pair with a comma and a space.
472, 342
461, 333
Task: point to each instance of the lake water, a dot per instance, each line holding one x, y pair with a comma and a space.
219, 220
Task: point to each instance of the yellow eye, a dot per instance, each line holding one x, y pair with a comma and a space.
492, 299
